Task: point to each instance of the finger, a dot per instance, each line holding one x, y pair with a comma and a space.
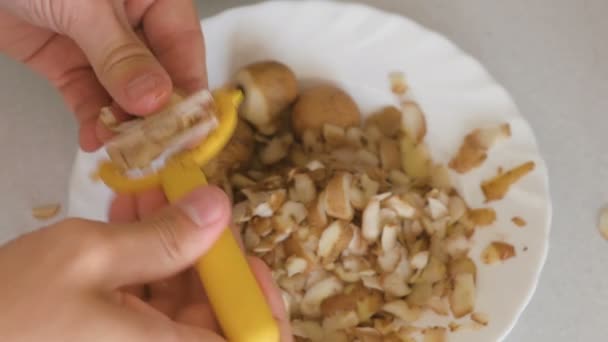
166, 306
135, 10
127, 208
102, 132
142, 37
84, 96
193, 334
87, 137
198, 315
62, 62
150, 202
163, 246
135, 303
196, 293
172, 292
166, 295
169, 294
123, 209
273, 295
136, 322
137, 291
174, 33
123, 64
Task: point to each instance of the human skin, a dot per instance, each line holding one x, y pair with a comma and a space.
67, 282
131, 55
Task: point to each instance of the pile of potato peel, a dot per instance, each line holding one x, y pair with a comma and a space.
362, 230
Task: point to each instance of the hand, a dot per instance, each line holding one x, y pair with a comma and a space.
94, 51
64, 282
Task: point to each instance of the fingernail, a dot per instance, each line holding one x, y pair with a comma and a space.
146, 86
205, 206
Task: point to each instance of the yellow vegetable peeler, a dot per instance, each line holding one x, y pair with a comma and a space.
233, 291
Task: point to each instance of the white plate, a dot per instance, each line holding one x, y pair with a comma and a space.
356, 47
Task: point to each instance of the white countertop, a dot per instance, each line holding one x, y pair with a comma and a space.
551, 55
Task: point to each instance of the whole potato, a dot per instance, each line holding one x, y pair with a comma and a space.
324, 104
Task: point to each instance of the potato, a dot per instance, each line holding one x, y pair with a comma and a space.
388, 120
270, 88
324, 104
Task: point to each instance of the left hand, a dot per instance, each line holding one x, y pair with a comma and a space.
125, 53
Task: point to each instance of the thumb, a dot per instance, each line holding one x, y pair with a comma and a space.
123, 64
170, 242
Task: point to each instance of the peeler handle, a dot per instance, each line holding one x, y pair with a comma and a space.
233, 291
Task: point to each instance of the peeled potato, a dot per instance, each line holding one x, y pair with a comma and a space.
270, 88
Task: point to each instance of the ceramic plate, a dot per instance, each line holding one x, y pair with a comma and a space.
357, 47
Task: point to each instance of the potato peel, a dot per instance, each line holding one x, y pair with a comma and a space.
497, 187
375, 234
518, 221
474, 149
46, 212
482, 216
398, 83
497, 252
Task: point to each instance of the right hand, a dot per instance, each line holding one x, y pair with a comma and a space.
67, 282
